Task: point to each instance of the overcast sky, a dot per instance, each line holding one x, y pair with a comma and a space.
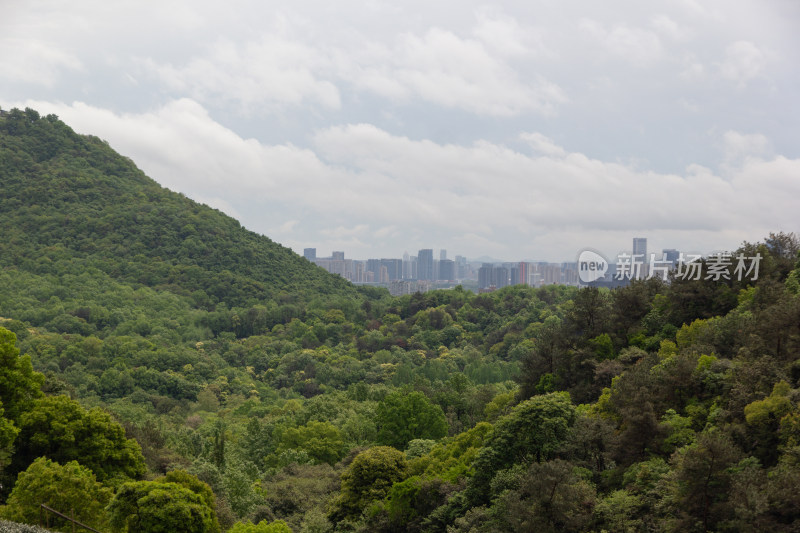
518, 130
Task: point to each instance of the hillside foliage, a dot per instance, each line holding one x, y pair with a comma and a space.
175, 371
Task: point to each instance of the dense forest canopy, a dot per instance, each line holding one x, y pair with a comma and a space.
164, 369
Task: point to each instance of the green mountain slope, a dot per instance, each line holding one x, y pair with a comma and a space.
70, 204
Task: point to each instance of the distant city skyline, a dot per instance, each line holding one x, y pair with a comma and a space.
639, 245
421, 272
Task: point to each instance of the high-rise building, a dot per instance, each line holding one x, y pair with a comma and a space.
485, 276
310, 254
672, 255
492, 276
394, 268
338, 256
425, 264
447, 270
442, 255
640, 248
374, 266
501, 276
519, 273
461, 267
407, 266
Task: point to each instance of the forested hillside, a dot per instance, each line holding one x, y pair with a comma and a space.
71, 205
155, 377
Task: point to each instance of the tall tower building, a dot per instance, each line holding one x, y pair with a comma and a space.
425, 264
442, 255
310, 254
407, 266
447, 270
640, 248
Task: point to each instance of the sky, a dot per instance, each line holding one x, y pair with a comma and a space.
520, 130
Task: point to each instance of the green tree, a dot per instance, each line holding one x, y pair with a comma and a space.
8, 432
71, 489
545, 356
161, 507
19, 384
763, 419
533, 431
697, 487
368, 479
187, 480
62, 430
320, 440
618, 512
278, 526
402, 417
551, 497
297, 490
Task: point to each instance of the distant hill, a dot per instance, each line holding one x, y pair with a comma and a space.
485, 259
69, 204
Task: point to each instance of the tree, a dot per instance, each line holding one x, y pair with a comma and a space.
19, 384
62, 430
544, 358
8, 432
296, 490
535, 428
533, 431
320, 440
763, 419
551, 498
698, 485
71, 489
202, 489
589, 313
618, 511
161, 507
278, 526
368, 478
402, 417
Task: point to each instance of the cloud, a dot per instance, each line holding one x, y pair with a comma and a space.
670, 28
543, 144
743, 62
444, 69
261, 75
437, 66
506, 36
637, 46
34, 61
738, 146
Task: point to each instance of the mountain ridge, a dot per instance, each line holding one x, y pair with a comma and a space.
70, 198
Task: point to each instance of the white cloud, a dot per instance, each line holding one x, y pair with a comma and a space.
437, 66
670, 28
743, 62
34, 61
637, 46
738, 146
506, 36
267, 74
442, 68
543, 144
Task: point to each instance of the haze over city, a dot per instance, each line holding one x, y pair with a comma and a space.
529, 130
